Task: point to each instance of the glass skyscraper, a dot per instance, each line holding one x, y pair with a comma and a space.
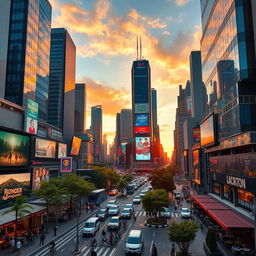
27, 69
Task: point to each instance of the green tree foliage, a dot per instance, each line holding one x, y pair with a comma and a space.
122, 184
21, 209
128, 178
210, 240
154, 201
163, 178
183, 234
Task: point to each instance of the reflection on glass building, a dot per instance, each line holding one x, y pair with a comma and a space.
228, 66
27, 69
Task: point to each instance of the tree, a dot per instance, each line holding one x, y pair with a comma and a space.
183, 233
211, 240
21, 209
128, 177
122, 184
154, 201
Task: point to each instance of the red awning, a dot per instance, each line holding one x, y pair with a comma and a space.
230, 219
213, 206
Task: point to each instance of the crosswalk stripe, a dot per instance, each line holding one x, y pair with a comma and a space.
136, 214
86, 252
140, 213
100, 251
84, 248
106, 252
144, 213
112, 252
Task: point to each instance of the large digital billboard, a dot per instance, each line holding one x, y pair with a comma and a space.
14, 149
141, 120
196, 135
207, 132
75, 148
142, 148
31, 117
62, 150
14, 185
39, 174
142, 129
45, 148
141, 108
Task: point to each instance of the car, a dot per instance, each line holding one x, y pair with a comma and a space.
126, 213
113, 210
114, 223
166, 213
136, 200
130, 206
134, 243
111, 202
113, 192
102, 214
185, 213
177, 195
142, 194
149, 187
92, 225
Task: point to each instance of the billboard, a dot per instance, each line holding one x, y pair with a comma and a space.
142, 129
39, 174
196, 135
141, 108
142, 148
14, 149
141, 120
196, 157
62, 150
75, 148
207, 131
66, 164
14, 185
45, 148
31, 117
123, 147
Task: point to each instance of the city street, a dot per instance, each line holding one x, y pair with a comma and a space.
65, 244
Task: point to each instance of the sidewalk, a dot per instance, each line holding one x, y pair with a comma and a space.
63, 227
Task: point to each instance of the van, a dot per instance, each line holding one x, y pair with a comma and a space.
92, 225
134, 243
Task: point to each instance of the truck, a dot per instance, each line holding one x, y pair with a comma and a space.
97, 197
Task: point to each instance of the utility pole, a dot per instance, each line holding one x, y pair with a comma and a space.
77, 252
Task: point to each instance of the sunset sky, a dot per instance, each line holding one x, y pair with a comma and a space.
105, 31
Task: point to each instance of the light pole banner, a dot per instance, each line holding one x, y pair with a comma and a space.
31, 117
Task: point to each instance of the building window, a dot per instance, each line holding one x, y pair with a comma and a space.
245, 198
228, 193
216, 188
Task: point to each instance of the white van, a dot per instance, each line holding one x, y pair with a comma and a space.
134, 243
92, 225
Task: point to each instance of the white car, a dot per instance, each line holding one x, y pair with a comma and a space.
113, 210
130, 206
136, 200
92, 225
185, 213
111, 203
166, 213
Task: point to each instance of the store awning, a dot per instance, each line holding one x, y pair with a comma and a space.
213, 206
9, 219
230, 219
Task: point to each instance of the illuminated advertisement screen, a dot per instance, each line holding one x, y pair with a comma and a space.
31, 117
75, 148
141, 108
207, 134
197, 177
195, 157
142, 148
14, 149
141, 120
123, 148
45, 148
141, 129
39, 174
14, 185
62, 150
196, 135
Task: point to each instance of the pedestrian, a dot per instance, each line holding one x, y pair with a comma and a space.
110, 238
154, 250
55, 230
42, 238
18, 245
42, 228
173, 250
93, 253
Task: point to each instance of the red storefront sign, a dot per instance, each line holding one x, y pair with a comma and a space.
141, 129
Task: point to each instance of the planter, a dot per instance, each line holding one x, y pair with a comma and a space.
153, 223
209, 253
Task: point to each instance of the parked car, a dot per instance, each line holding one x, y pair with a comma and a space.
166, 213
126, 213
102, 214
111, 202
113, 192
130, 206
185, 213
113, 210
91, 227
136, 200
134, 243
114, 223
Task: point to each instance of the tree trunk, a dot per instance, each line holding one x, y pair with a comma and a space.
15, 234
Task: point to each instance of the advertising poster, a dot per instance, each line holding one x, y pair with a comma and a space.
197, 176
142, 148
39, 174
31, 117
75, 148
45, 148
196, 135
207, 132
66, 164
14, 185
123, 146
141, 120
196, 157
142, 129
141, 108
62, 150
14, 149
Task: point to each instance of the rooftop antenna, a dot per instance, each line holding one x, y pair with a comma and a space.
137, 49
140, 49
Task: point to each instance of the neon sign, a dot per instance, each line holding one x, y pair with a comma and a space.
12, 193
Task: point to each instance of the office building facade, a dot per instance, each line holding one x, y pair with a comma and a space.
126, 125
80, 108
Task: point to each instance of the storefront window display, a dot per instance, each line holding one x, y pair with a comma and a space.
245, 198
216, 188
228, 193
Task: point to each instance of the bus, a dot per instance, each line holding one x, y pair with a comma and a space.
130, 189
97, 197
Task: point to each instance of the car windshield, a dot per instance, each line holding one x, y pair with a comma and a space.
89, 224
185, 210
114, 221
133, 240
101, 211
166, 210
111, 202
126, 211
128, 206
113, 208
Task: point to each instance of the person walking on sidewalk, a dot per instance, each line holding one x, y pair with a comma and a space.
55, 230
173, 250
154, 250
18, 245
42, 238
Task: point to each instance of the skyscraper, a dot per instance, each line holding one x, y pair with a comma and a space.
96, 128
80, 108
61, 106
126, 125
26, 26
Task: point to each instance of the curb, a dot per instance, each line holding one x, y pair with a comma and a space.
156, 226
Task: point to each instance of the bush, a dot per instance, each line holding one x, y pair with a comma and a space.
211, 240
